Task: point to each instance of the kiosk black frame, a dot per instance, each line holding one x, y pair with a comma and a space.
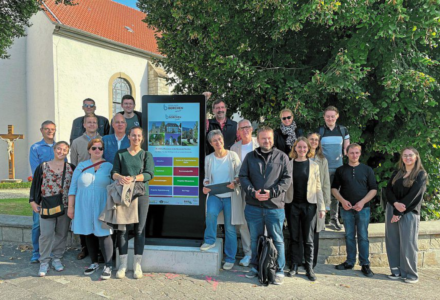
168, 223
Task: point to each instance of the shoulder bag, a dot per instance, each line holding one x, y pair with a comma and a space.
53, 206
139, 186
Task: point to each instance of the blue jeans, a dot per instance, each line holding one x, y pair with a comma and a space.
214, 206
35, 235
257, 218
356, 223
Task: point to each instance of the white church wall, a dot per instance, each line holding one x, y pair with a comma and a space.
83, 70
13, 107
40, 74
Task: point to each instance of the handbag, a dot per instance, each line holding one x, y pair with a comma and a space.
53, 206
139, 186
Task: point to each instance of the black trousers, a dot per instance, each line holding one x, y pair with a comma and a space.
139, 229
315, 249
104, 243
302, 224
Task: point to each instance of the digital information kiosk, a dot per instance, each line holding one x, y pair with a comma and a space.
174, 133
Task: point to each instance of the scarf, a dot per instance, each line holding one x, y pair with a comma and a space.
290, 132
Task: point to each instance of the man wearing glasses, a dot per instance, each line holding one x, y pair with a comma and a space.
242, 148
78, 129
354, 185
40, 152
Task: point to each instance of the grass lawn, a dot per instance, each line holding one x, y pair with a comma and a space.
17, 206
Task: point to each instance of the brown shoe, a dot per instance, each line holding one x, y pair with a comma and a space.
84, 253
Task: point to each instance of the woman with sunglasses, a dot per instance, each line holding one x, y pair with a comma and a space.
134, 164
49, 181
287, 133
318, 157
404, 196
87, 199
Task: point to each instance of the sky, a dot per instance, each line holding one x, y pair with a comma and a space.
130, 3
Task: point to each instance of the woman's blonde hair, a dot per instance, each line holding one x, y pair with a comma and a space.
286, 110
418, 167
293, 153
318, 151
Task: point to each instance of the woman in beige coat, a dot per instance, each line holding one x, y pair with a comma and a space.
319, 158
222, 166
307, 205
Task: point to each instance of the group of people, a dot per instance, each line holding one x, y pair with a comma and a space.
284, 174
279, 175
102, 163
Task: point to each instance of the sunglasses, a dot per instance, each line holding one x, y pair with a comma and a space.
100, 148
88, 105
286, 118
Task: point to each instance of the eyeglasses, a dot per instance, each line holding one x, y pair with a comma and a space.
286, 118
245, 128
408, 155
99, 148
88, 105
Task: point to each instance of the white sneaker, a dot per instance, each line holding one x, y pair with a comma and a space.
206, 247
245, 261
43, 269
228, 266
407, 280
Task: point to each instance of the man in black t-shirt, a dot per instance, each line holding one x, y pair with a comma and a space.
354, 186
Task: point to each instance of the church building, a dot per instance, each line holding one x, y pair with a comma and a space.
97, 49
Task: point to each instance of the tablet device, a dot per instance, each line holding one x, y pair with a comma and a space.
219, 188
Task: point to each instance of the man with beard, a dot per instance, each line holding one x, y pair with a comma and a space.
265, 177
222, 123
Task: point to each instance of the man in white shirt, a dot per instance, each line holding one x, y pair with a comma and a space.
242, 148
118, 140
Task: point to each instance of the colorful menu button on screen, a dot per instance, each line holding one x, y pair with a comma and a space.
186, 162
161, 181
186, 191
163, 161
178, 171
186, 181
161, 190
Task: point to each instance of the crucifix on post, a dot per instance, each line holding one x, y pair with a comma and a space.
10, 138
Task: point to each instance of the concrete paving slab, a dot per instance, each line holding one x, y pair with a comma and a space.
18, 280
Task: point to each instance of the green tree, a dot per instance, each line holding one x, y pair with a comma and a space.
377, 61
14, 18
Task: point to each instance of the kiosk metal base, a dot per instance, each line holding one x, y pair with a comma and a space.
178, 259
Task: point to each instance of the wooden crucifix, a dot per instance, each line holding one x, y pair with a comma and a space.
10, 138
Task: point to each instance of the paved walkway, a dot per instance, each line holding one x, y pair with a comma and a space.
14, 193
18, 280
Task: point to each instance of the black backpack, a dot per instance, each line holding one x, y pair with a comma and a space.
267, 260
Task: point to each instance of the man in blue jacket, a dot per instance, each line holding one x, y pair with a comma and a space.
116, 141
265, 177
40, 152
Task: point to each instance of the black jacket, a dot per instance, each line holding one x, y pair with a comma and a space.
279, 139
78, 128
37, 180
412, 196
229, 133
274, 175
137, 113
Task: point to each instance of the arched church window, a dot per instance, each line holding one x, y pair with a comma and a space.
120, 88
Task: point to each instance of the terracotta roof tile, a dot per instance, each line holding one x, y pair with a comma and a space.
107, 19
